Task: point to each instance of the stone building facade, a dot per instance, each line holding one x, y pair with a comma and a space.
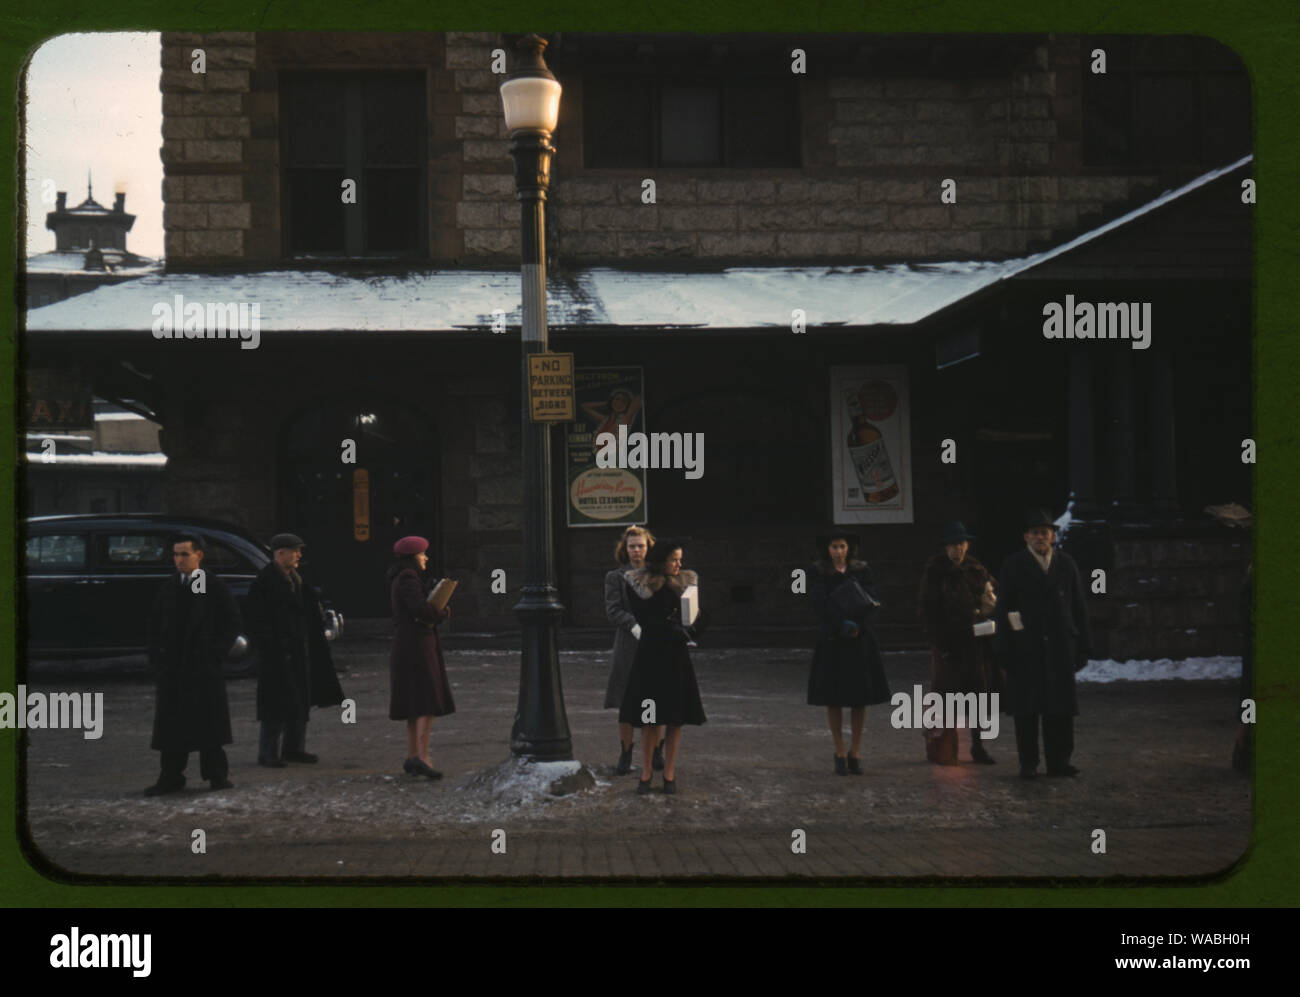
842, 166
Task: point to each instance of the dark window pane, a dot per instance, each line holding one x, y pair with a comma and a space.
394, 120
618, 122
138, 549
60, 552
1167, 129
316, 211
313, 109
1227, 117
223, 559
762, 125
392, 206
690, 125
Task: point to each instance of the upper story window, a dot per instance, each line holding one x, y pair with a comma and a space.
1164, 102
366, 127
675, 119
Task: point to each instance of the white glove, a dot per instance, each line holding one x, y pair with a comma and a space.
636, 630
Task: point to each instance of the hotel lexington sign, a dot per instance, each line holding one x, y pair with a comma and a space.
550, 387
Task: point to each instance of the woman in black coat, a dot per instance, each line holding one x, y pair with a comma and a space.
661, 670
846, 667
420, 690
630, 553
956, 593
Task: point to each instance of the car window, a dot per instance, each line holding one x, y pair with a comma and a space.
56, 552
137, 548
222, 559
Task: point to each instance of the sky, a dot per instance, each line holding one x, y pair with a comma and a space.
93, 103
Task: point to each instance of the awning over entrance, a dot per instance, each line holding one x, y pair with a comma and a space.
460, 301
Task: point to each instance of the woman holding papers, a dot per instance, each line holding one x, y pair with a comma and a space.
630, 554
846, 667
662, 687
957, 603
420, 690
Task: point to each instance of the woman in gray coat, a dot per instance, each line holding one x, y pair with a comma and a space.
632, 547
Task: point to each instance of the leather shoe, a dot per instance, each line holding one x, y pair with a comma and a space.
161, 788
1028, 773
272, 763
854, 767
1064, 770
303, 757
408, 768
221, 784
643, 787
670, 786
419, 768
624, 765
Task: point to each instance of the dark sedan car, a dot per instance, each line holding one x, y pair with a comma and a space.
92, 578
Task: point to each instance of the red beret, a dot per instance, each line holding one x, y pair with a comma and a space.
410, 545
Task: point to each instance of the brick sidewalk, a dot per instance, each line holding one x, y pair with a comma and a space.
1154, 758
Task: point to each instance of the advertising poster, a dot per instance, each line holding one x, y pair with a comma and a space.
606, 397
871, 445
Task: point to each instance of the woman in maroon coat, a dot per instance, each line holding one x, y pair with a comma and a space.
420, 690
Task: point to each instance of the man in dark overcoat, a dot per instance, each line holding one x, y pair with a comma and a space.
295, 670
1043, 639
192, 624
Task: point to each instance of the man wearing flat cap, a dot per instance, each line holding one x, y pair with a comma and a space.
1042, 633
294, 668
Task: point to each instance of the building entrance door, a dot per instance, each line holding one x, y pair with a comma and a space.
351, 511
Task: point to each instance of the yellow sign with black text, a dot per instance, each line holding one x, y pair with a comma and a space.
550, 387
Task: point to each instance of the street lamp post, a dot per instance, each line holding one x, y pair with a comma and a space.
531, 97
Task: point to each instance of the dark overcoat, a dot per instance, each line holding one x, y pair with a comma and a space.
618, 610
661, 667
295, 669
1041, 659
949, 605
846, 671
190, 635
418, 680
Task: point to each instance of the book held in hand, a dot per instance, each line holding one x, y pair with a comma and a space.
985, 628
690, 604
441, 593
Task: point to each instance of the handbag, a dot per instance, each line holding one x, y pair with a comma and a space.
851, 599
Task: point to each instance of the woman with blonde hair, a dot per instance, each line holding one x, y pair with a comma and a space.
632, 548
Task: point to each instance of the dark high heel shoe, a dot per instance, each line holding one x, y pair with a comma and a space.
624, 765
428, 771
643, 787
854, 767
670, 786
408, 767
840, 768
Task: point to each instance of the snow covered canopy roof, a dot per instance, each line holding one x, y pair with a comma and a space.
461, 300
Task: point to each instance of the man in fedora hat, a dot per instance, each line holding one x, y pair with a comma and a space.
957, 593
1042, 633
294, 668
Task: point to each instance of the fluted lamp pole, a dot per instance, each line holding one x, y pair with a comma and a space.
531, 97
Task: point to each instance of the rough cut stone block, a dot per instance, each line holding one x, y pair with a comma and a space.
228, 127
230, 216
694, 219
213, 151
220, 80
478, 186
215, 188
185, 216
743, 244
218, 242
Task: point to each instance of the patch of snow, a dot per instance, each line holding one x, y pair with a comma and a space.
1161, 670
518, 782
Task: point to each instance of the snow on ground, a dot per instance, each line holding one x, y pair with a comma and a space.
1162, 670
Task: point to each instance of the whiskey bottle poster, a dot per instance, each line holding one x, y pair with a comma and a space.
871, 446
604, 398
